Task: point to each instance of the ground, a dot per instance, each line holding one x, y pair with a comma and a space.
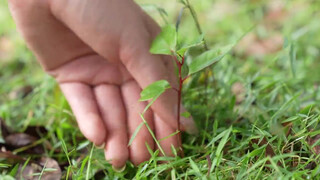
257, 113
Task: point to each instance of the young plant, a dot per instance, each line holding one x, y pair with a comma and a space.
166, 44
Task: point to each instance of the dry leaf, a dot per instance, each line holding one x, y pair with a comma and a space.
32, 171
19, 140
20, 92
6, 48
11, 157
314, 140
269, 150
276, 14
252, 45
239, 91
287, 127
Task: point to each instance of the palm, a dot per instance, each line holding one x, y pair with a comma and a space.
104, 98
92, 70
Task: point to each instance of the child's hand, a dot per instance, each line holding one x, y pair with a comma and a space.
99, 53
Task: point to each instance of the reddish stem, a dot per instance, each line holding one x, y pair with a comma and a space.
176, 60
180, 64
185, 78
175, 89
179, 91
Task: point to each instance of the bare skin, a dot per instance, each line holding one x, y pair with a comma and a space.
98, 51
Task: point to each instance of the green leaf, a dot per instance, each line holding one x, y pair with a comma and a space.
173, 174
6, 177
292, 55
154, 90
135, 133
257, 151
196, 42
194, 167
306, 110
186, 114
184, 70
208, 58
286, 42
217, 137
223, 141
165, 42
14, 170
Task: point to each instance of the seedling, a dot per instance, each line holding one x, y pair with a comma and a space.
166, 44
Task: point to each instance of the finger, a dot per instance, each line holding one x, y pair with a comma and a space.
138, 149
167, 137
85, 109
147, 68
114, 116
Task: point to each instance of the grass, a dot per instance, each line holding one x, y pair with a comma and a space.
256, 117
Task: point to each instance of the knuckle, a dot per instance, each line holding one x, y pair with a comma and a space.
130, 55
126, 57
137, 47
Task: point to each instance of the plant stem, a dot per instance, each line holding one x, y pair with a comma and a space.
205, 46
196, 21
181, 80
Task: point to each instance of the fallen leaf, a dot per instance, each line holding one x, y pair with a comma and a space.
13, 141
252, 45
11, 157
312, 165
6, 47
287, 128
314, 140
269, 150
272, 42
19, 140
239, 91
20, 92
209, 164
276, 14
50, 168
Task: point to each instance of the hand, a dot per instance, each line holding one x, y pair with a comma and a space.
99, 53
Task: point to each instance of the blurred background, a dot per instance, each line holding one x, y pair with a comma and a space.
271, 74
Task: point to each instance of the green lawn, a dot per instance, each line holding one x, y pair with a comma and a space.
258, 114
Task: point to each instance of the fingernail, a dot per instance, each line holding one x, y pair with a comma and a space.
119, 170
101, 146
